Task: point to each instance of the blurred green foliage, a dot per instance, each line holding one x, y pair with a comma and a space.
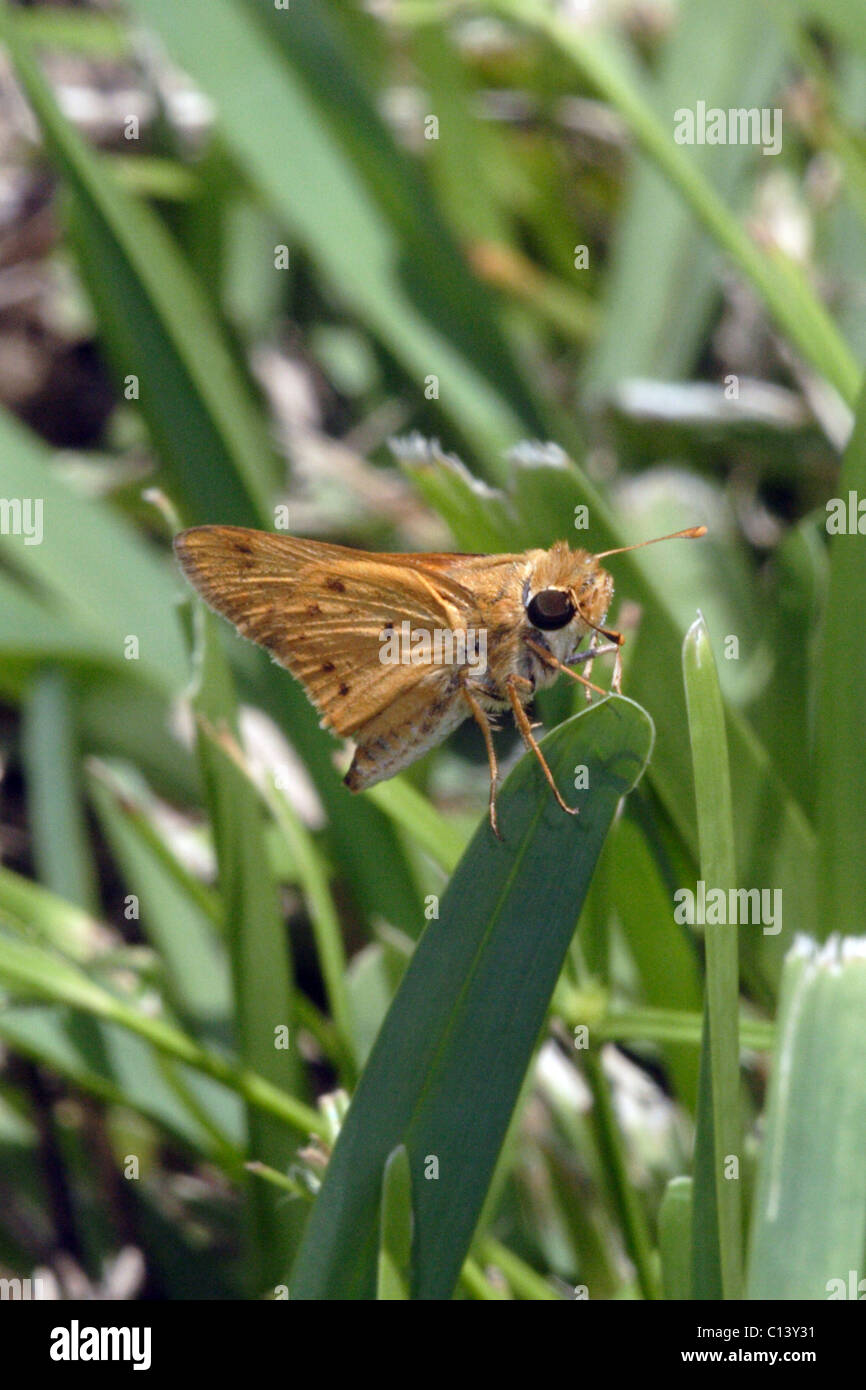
327, 226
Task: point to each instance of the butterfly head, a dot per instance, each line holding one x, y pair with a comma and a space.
566, 595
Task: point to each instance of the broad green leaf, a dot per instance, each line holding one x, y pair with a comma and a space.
32, 632
84, 30
450, 1059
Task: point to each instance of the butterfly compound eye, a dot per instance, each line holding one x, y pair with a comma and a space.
550, 609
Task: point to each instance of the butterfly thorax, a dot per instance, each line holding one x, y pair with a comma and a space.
514, 639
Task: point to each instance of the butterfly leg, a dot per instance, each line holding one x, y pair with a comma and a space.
616, 641
589, 656
616, 683
550, 660
523, 724
483, 723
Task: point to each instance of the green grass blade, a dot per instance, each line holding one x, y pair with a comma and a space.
140, 810
675, 1238
33, 972
779, 281
614, 1157
192, 952
312, 877
676, 1026
809, 1220
451, 1057
309, 139
50, 919
113, 1064
722, 1003
476, 1284
662, 286
841, 729
373, 862
158, 325
706, 1253
663, 953
124, 589
409, 809
60, 840
525, 1281
76, 30
257, 946
395, 1238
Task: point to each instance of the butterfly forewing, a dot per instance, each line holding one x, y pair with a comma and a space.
321, 611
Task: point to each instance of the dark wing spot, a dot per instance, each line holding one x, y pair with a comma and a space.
242, 548
344, 689
335, 585
387, 627
312, 610
328, 666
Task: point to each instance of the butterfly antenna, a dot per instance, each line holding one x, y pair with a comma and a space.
692, 534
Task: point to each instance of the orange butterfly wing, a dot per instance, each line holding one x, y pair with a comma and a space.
321, 609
